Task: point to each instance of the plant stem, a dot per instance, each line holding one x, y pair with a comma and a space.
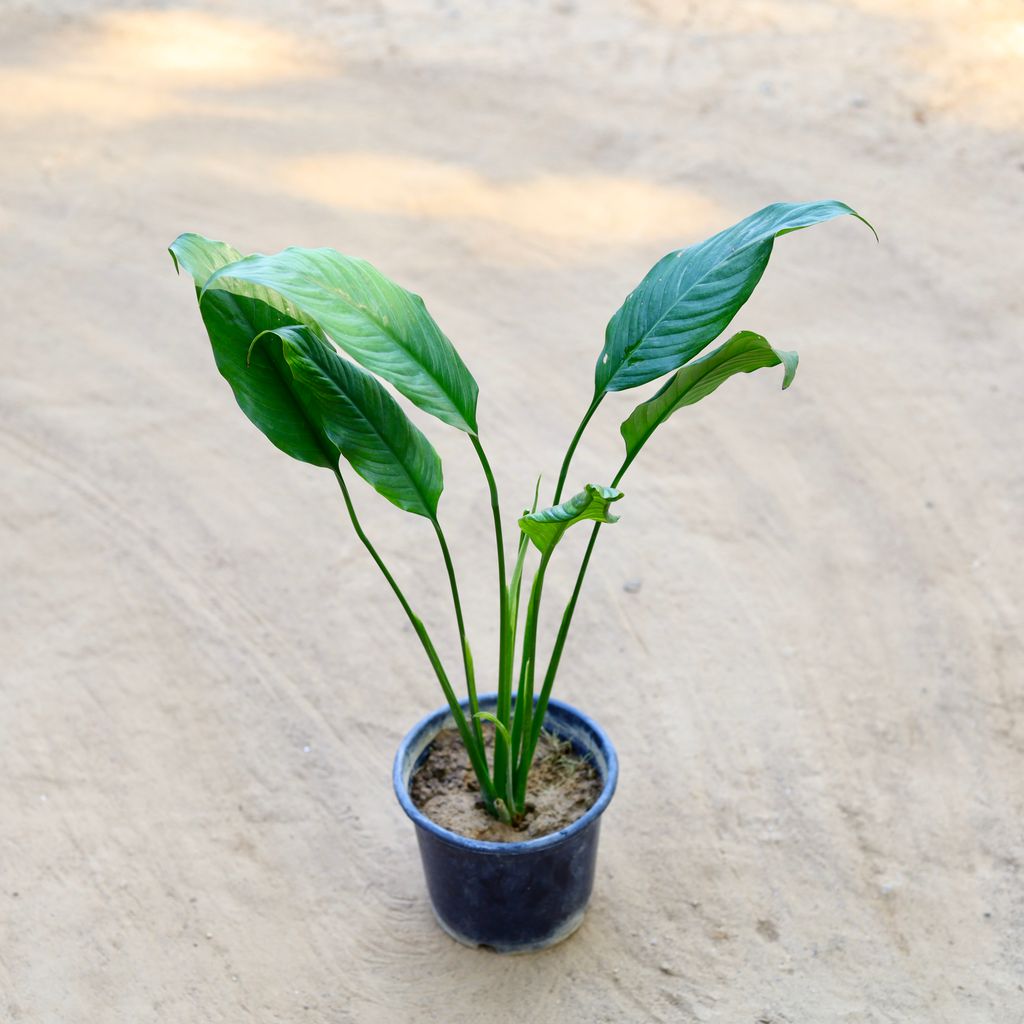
559, 645
573, 443
556, 656
514, 586
467, 657
517, 720
508, 801
503, 709
524, 698
476, 754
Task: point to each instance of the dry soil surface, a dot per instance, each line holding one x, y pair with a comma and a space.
803, 635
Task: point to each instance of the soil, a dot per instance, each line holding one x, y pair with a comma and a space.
561, 788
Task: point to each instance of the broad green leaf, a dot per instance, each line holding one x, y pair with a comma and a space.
364, 421
378, 323
742, 353
201, 256
545, 528
689, 297
262, 384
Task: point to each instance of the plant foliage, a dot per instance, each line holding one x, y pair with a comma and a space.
302, 337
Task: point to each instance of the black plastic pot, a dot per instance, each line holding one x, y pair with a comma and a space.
510, 897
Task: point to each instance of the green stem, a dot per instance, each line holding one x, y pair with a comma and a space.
509, 801
476, 754
467, 657
573, 444
556, 657
514, 586
503, 709
559, 645
520, 710
524, 698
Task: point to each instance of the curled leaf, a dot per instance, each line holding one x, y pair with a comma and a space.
545, 528
742, 353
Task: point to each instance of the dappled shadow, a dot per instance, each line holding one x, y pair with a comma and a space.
948, 57
972, 67
561, 207
958, 60
122, 67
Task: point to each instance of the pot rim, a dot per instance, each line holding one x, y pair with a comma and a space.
611, 777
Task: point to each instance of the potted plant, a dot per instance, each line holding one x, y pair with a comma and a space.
302, 337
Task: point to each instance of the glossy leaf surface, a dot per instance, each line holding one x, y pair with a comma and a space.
742, 353
689, 297
262, 383
201, 256
369, 427
545, 528
377, 322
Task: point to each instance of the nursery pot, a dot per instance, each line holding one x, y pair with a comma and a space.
510, 897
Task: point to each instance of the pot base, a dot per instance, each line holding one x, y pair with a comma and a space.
568, 929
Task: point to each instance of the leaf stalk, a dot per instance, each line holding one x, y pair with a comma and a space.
564, 471
476, 754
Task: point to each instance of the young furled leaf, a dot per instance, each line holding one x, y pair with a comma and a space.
742, 353
689, 297
378, 323
545, 528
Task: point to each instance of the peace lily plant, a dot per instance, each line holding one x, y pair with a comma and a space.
281, 327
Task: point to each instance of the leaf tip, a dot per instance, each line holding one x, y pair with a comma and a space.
607, 493
790, 361
252, 345
869, 224
862, 219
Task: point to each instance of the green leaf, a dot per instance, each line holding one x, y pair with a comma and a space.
545, 528
201, 256
358, 415
742, 353
378, 323
689, 297
262, 384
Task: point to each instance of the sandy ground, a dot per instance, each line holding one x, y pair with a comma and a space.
804, 635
